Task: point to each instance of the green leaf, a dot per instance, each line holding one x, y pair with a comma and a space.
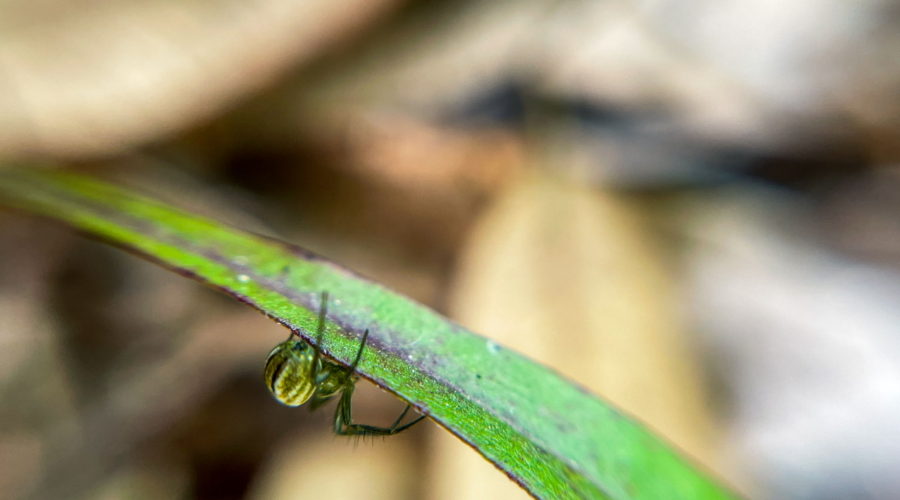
546, 433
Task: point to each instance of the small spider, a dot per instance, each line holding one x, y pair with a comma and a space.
296, 373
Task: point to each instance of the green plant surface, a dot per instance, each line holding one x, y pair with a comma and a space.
551, 436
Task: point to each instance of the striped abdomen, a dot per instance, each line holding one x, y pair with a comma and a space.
289, 373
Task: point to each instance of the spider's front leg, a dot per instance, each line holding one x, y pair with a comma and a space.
344, 380
343, 419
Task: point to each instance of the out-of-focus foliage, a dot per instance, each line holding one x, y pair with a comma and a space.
747, 150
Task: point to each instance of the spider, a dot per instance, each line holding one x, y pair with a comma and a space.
296, 373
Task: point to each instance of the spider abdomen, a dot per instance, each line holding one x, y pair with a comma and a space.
289, 372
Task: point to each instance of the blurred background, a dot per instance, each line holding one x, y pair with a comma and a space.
690, 207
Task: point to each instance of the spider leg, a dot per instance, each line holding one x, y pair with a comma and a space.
344, 426
343, 418
362, 345
320, 332
402, 414
320, 327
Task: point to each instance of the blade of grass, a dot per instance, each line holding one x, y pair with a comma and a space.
544, 432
